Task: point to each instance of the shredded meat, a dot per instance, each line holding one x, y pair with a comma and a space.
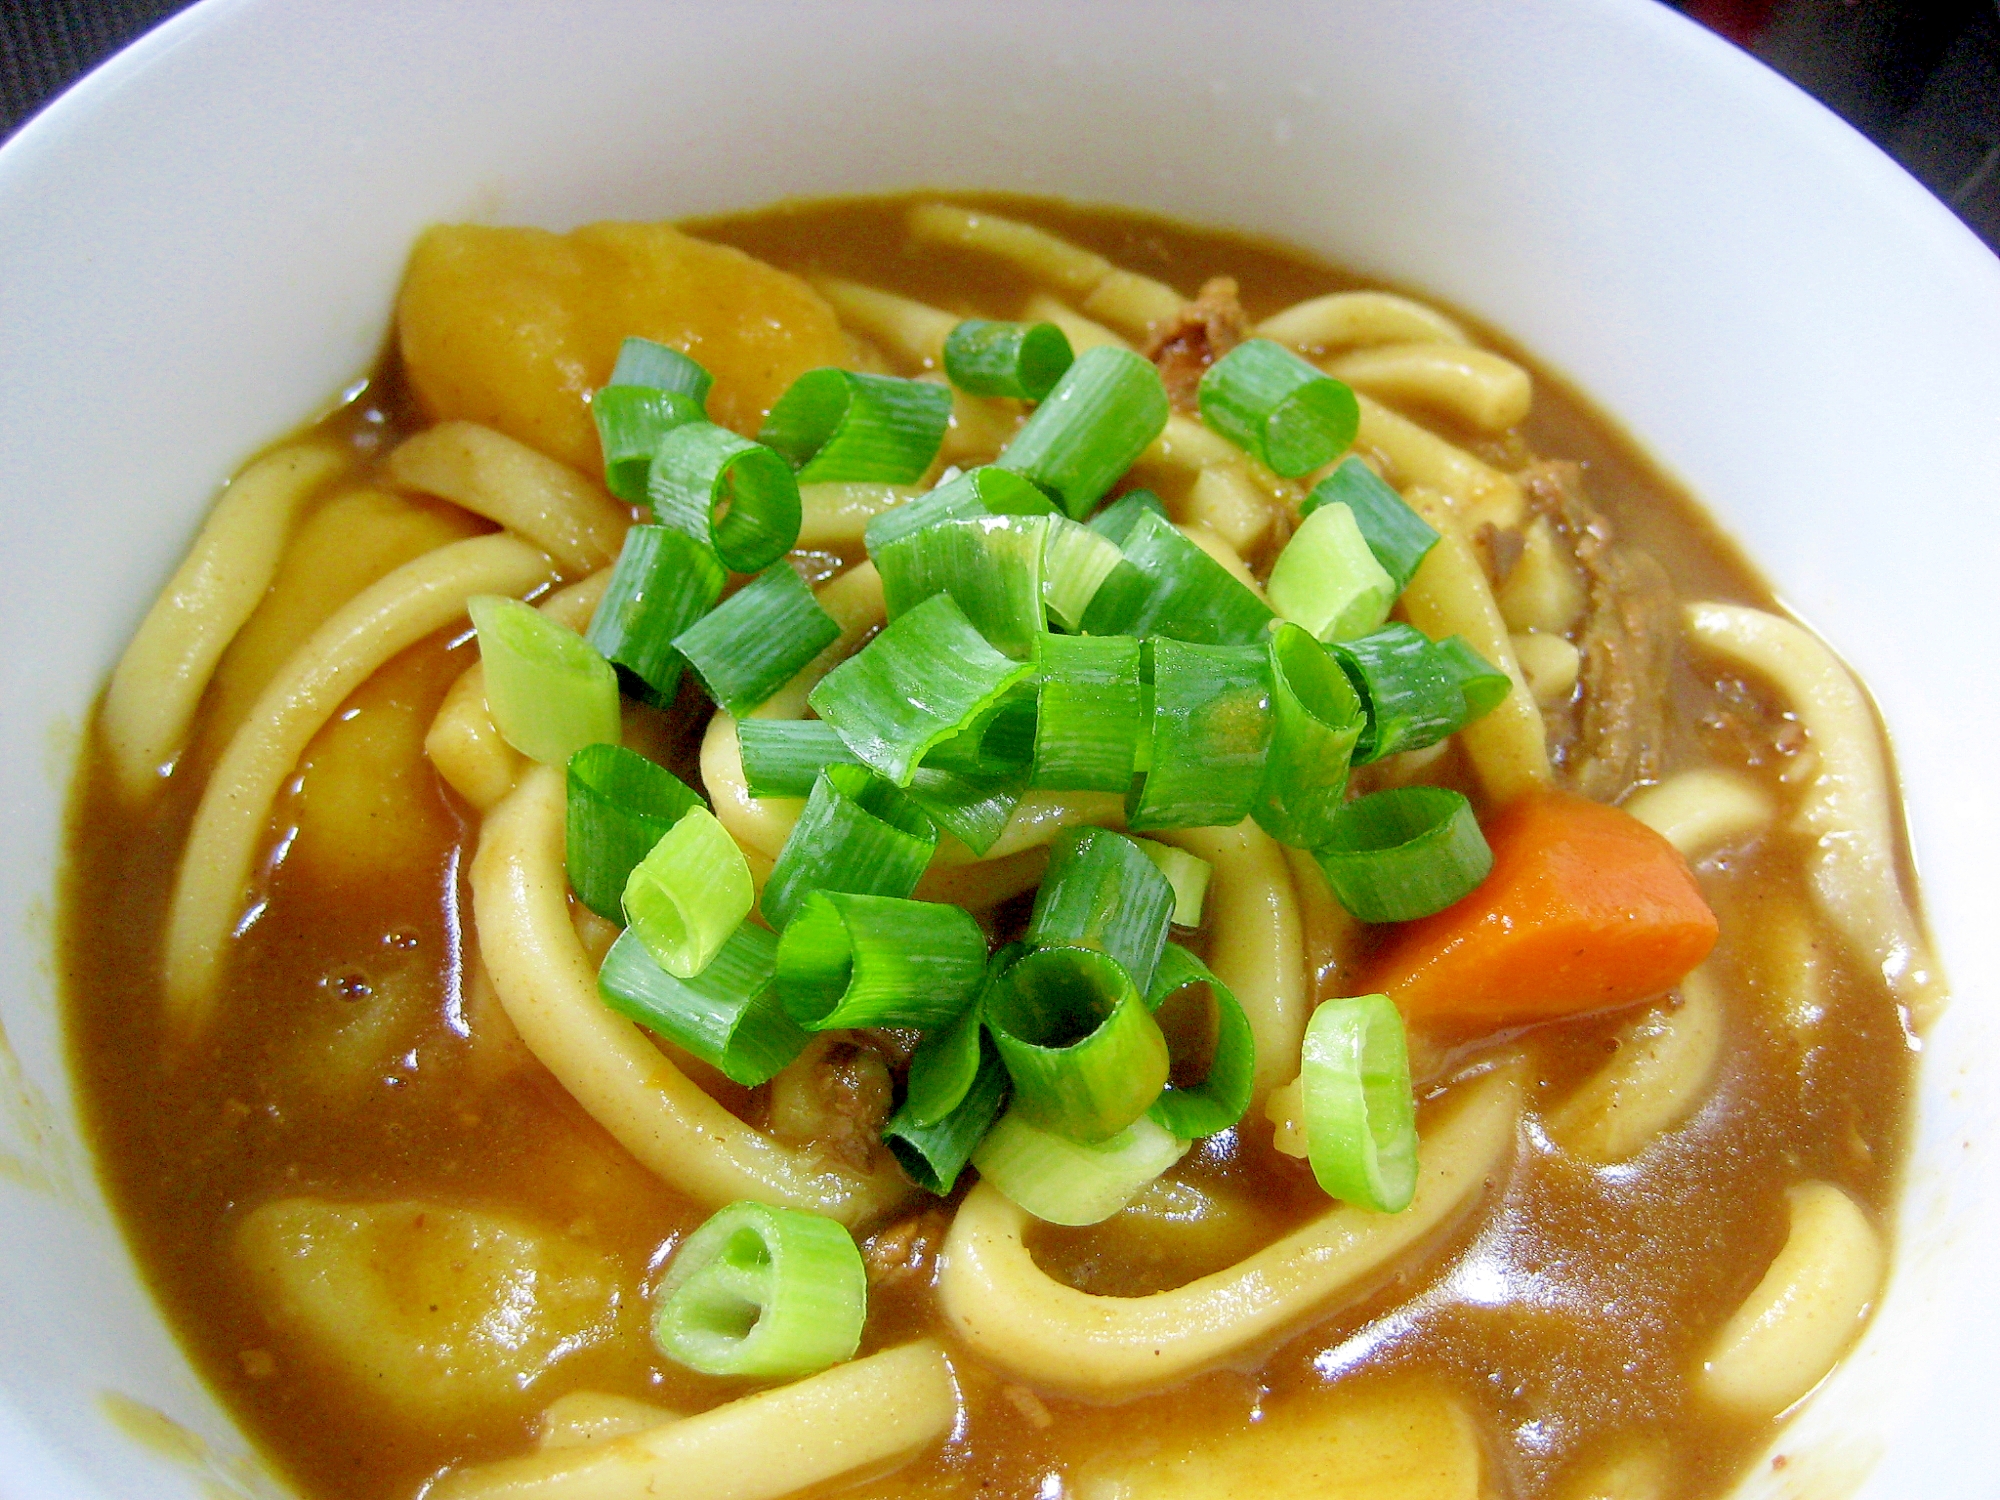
1612, 734
1207, 328
834, 1098
905, 1252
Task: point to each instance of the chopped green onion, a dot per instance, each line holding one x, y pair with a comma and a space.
1023, 360
1410, 691
631, 420
943, 1067
844, 424
783, 757
972, 806
663, 582
846, 960
620, 806
928, 676
1075, 563
1360, 1116
858, 833
736, 495
762, 1292
728, 1015
1217, 1101
1116, 520
688, 895
1483, 684
1316, 718
661, 367
1188, 874
1210, 733
1064, 1181
1102, 892
1104, 412
1328, 581
1397, 535
1171, 587
757, 639
1398, 855
1085, 1055
991, 566
933, 1152
1277, 408
1087, 730
984, 491
550, 694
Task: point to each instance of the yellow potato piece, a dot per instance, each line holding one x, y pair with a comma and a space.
1399, 1443
437, 1312
515, 327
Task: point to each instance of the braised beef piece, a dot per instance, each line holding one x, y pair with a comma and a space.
1207, 328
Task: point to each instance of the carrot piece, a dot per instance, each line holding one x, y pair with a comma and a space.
1586, 909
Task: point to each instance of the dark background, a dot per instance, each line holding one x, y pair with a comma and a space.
1919, 77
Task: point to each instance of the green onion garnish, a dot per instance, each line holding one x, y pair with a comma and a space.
1483, 684
1410, 691
928, 676
549, 693
934, 1152
985, 491
738, 496
1187, 873
757, 639
1088, 727
1316, 718
1062, 1181
620, 806
1398, 855
1397, 535
1104, 412
991, 566
1075, 563
1171, 587
1277, 408
631, 420
1360, 1116
663, 582
858, 833
1102, 892
947, 1060
1085, 1055
846, 960
1116, 520
844, 424
662, 368
972, 806
1210, 734
728, 1015
1328, 580
688, 895
783, 757
1191, 1109
762, 1292
1023, 360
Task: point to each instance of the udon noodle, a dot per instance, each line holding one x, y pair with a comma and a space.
406, 1182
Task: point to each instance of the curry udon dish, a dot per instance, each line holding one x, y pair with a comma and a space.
949, 849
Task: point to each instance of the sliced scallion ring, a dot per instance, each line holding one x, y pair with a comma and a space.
620, 805
1396, 534
738, 496
757, 639
1064, 1181
1170, 587
643, 362
932, 1153
1274, 406
991, 566
1402, 854
688, 894
834, 424
1360, 1115
1188, 874
631, 421
1316, 720
1104, 412
857, 833
1411, 693
664, 581
1023, 360
549, 692
846, 960
1102, 892
728, 1015
783, 757
1212, 1094
1087, 728
1328, 580
1210, 734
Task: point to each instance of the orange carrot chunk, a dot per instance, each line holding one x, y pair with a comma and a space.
1587, 909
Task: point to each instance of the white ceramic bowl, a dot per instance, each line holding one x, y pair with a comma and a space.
199, 244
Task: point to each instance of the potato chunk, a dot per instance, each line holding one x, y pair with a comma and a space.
437, 1311
514, 327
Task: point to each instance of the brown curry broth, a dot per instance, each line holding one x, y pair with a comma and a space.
1593, 1290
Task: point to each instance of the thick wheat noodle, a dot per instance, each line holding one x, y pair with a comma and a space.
854, 599
1703, 810
864, 1414
1658, 1075
1450, 596
1083, 333
1014, 1314
1480, 388
1848, 808
546, 983
835, 516
1414, 455
167, 667
388, 617
1343, 320
912, 331
510, 483
1126, 300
